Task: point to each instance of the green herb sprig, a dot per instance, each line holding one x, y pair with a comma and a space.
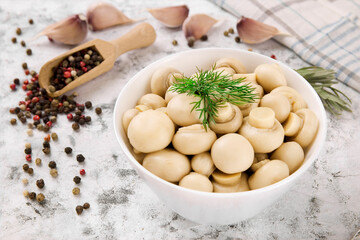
214, 89
322, 81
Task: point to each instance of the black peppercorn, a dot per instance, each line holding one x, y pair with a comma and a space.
226, 33
25, 167
68, 150
87, 119
16, 81
86, 205
231, 30
13, 40
80, 158
76, 118
82, 121
13, 121
32, 195
98, 111
237, 39
79, 209
174, 42
28, 52
77, 179
204, 38
88, 104
81, 108
46, 144
27, 150
46, 150
23, 44
75, 126
18, 31
30, 171
52, 164
191, 42
40, 183
31, 21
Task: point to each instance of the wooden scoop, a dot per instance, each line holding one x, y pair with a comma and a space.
140, 36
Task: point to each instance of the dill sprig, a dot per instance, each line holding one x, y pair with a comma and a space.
214, 89
322, 81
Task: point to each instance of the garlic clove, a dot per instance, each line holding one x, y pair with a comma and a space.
71, 30
102, 15
252, 31
171, 17
197, 25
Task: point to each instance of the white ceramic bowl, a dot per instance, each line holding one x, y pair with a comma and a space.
215, 208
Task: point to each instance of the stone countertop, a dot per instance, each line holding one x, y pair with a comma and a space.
323, 205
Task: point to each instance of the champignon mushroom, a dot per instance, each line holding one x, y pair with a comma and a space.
228, 119
127, 117
231, 63
259, 91
180, 110
203, 164
152, 100
167, 164
139, 156
291, 153
309, 128
162, 78
142, 108
292, 125
225, 71
270, 76
262, 130
272, 172
240, 186
296, 100
170, 94
248, 77
261, 156
226, 179
278, 103
259, 164
193, 139
150, 131
196, 181
232, 153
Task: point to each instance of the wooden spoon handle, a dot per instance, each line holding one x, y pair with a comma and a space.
140, 36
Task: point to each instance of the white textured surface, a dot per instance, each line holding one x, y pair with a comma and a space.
324, 205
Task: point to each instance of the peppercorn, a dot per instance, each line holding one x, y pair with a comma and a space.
46, 128
53, 172
25, 167
52, 164
23, 120
26, 193
98, 110
86, 205
54, 136
13, 121
47, 139
82, 121
38, 161
31, 21
30, 171
174, 42
46, 150
52, 88
226, 33
46, 144
40, 183
28, 157
87, 119
23, 44
191, 42
27, 145
231, 30
82, 172
13, 40
40, 127
88, 104
18, 31
75, 126
25, 181
204, 38
28, 52
68, 150
273, 56
53, 119
237, 39
16, 81
40, 197
76, 191
76, 118
32, 195
77, 179
80, 158
79, 209
27, 150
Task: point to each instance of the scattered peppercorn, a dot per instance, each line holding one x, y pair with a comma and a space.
46, 144
87, 119
174, 42
68, 150
52, 88
38, 161
25, 167
79, 209
76, 191
18, 31
28, 157
13, 40
40, 183
98, 110
80, 158
231, 30
273, 56
40, 197
86, 205
88, 104
77, 179
24, 66
32, 195
237, 39
25, 181
82, 172
191, 41
52, 164
13, 121
16, 81
53, 172
46, 150
31, 21
26, 193
204, 38
54, 136
226, 33
30, 171
28, 52
27, 150
23, 44
75, 126
81, 121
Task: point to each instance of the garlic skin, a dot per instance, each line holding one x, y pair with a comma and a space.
171, 17
252, 31
71, 30
197, 25
101, 15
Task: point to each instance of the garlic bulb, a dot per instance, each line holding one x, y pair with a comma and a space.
171, 17
71, 30
197, 25
252, 31
102, 15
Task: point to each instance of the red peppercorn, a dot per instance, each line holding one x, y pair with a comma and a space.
28, 157
33, 79
273, 56
36, 117
49, 123
13, 86
27, 72
60, 104
27, 102
69, 69
67, 74
70, 116
50, 39
84, 69
37, 76
28, 109
21, 102
12, 110
82, 64
24, 87
82, 172
35, 99
47, 138
28, 93
26, 82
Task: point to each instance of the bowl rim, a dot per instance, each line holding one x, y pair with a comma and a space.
303, 168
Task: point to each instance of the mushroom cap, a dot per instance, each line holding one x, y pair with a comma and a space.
196, 181
270, 76
231, 63
127, 117
272, 172
247, 107
296, 100
240, 186
248, 77
152, 100
309, 129
225, 70
167, 164
180, 110
193, 139
259, 164
169, 95
150, 131
162, 79
226, 179
228, 121
203, 164
291, 153
232, 153
292, 125
278, 103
